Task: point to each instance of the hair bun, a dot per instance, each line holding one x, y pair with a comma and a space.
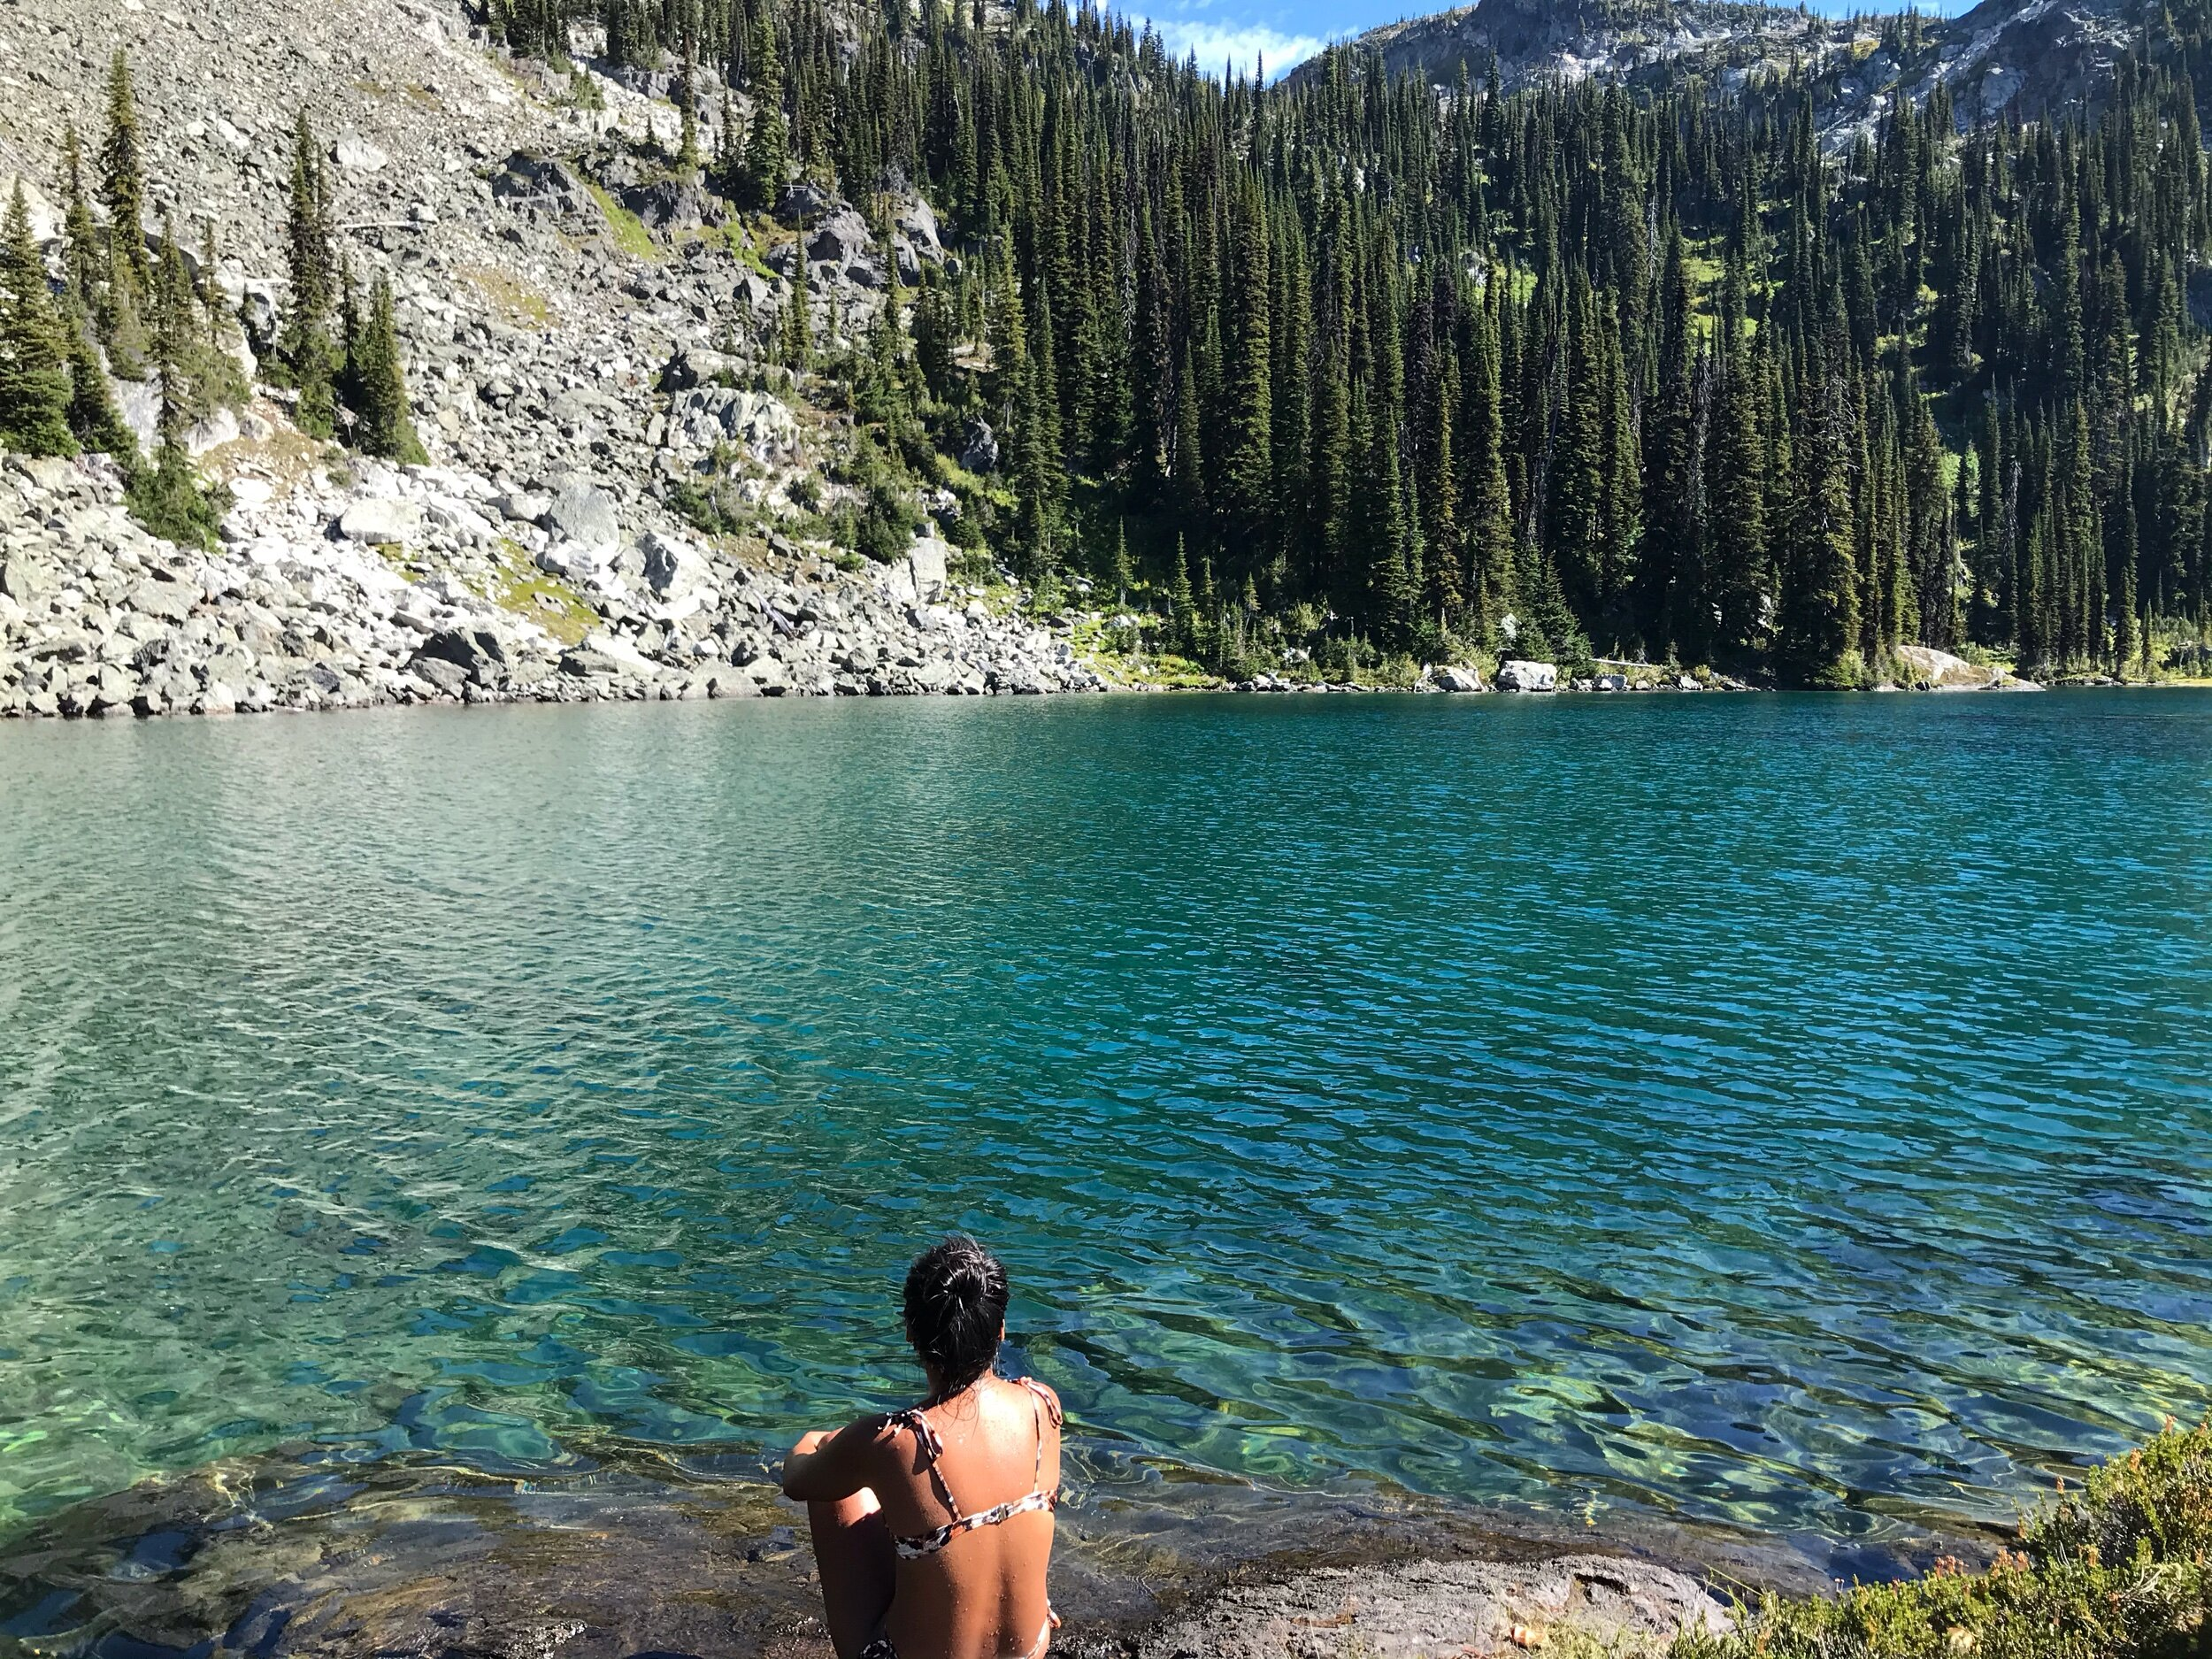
955, 1307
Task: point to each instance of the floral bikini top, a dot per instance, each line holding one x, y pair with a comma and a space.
932, 1448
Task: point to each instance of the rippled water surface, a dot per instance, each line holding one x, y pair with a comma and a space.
1790, 1112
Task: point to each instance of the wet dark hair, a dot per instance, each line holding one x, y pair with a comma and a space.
955, 1307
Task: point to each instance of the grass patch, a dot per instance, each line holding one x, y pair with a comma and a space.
284, 457
522, 588
626, 227
2122, 1570
740, 243
514, 299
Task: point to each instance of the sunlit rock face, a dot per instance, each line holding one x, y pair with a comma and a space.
2034, 56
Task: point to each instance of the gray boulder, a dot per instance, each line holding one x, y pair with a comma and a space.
380, 523
170, 601
24, 579
926, 559
353, 153
583, 513
664, 203
979, 446
477, 652
916, 222
1524, 676
673, 568
689, 366
840, 239
529, 181
1456, 680
261, 314
802, 201
439, 674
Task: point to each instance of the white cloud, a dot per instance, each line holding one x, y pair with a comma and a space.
1242, 44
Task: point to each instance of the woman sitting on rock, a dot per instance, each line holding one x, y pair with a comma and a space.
910, 1569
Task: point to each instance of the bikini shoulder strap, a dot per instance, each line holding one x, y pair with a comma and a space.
1041, 1403
1046, 1401
932, 1449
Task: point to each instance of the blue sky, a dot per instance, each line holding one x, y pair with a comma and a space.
1282, 31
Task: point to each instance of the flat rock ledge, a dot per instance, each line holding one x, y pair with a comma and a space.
1427, 1610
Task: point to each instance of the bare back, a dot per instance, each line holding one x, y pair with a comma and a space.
972, 1515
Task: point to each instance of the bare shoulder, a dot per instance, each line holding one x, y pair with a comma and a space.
884, 1430
1046, 1393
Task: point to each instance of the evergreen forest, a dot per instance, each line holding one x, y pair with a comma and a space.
1377, 368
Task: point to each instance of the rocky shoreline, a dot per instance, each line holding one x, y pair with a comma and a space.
286, 1556
438, 584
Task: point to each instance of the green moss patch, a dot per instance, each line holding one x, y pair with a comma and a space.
527, 591
626, 227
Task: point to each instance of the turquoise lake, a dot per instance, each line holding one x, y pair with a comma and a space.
1788, 1112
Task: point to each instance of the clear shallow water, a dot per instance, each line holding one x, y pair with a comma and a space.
1786, 1112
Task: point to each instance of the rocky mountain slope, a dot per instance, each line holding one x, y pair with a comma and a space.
566, 372
2036, 54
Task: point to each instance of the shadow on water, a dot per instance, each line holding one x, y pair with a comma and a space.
640, 1553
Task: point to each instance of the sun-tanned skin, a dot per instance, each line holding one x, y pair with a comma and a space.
982, 1596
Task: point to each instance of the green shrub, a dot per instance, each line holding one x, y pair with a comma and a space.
708, 509
2121, 1571
168, 500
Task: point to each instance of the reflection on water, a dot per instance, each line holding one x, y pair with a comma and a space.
1783, 1113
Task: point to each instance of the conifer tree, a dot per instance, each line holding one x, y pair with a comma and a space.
1040, 466
765, 143
1670, 567
81, 235
798, 320
120, 319
688, 148
1247, 482
167, 498
308, 357
1190, 465
1490, 513
123, 174
1820, 602
33, 385
94, 419
173, 340
377, 384
1182, 628
1438, 490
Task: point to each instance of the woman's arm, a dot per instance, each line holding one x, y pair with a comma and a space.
824, 1467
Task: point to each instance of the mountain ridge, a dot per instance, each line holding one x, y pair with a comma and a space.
2030, 57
